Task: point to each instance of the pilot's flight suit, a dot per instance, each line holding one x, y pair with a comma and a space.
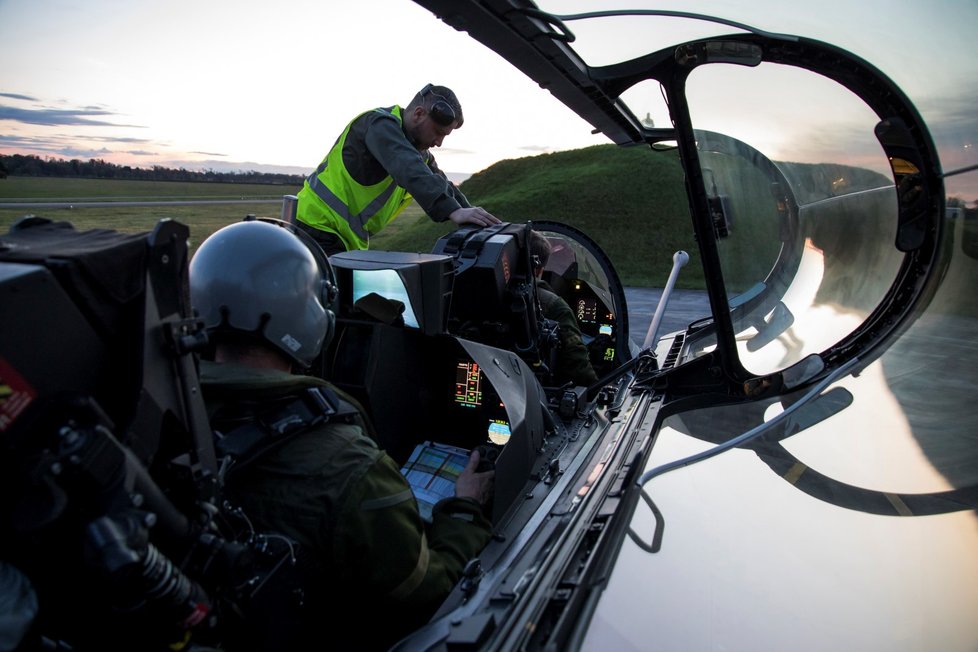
344, 500
572, 358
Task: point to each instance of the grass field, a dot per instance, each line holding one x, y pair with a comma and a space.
54, 189
202, 219
411, 231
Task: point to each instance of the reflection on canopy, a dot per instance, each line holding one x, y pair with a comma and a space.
807, 248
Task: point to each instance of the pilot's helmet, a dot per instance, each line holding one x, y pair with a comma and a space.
259, 278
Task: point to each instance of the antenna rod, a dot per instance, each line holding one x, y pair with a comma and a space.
679, 260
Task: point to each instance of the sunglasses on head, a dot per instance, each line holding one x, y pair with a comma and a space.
441, 111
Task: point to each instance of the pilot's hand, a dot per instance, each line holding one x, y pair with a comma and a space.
473, 215
471, 484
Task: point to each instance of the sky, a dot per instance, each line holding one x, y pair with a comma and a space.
221, 84
269, 83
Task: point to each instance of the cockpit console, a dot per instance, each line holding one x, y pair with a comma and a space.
464, 325
395, 352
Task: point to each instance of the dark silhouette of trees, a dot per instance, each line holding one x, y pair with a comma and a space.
19, 165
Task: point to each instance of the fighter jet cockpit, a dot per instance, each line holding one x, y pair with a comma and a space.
450, 349
446, 352
797, 456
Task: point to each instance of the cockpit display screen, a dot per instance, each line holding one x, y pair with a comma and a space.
468, 384
499, 432
388, 284
479, 415
587, 310
592, 317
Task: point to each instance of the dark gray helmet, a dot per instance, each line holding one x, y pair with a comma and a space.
258, 277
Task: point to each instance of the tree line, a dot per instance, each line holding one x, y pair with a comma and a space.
19, 165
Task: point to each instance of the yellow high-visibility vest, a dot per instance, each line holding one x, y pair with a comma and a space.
333, 201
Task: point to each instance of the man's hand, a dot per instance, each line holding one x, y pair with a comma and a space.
470, 484
473, 215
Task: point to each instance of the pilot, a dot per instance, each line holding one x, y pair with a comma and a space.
264, 301
378, 164
573, 363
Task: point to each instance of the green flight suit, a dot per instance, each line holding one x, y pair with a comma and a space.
573, 362
345, 501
